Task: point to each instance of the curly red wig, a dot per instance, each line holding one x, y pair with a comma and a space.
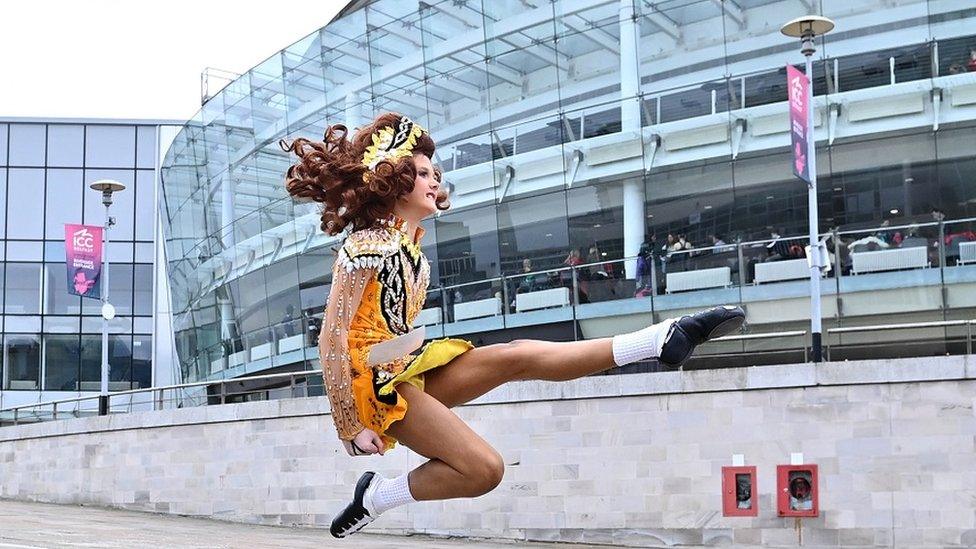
332, 172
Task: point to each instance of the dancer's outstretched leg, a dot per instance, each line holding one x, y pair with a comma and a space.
461, 464
481, 369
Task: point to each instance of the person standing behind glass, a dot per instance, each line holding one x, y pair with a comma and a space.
645, 264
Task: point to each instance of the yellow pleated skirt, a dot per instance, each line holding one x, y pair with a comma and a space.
378, 415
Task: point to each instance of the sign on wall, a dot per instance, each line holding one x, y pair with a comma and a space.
798, 87
83, 248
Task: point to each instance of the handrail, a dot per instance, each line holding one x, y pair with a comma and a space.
304, 373
167, 388
770, 335
905, 326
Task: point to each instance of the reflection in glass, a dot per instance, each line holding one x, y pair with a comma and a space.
743, 491
62, 354
23, 288
801, 491
21, 360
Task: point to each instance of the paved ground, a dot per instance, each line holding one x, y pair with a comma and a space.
27, 525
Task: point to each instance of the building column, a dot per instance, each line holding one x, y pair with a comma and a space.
630, 119
228, 239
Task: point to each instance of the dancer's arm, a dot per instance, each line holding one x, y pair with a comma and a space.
344, 297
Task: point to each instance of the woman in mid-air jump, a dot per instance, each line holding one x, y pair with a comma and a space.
380, 185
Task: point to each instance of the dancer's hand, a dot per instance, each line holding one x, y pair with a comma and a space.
367, 442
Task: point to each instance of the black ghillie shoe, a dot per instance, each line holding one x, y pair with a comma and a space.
693, 330
354, 516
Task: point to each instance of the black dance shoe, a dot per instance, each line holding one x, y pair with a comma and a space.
693, 330
354, 516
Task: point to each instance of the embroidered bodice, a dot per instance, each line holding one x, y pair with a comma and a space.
379, 285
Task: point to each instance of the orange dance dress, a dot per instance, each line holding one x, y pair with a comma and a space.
379, 285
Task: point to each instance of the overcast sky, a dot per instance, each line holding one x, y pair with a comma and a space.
134, 58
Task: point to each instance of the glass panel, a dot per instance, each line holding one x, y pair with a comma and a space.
62, 324
25, 195
524, 64
22, 362
57, 300
62, 362
27, 144
146, 147
145, 204
120, 292
110, 146
3, 202
63, 201
3, 144
314, 278
119, 362
533, 230
456, 83
467, 245
249, 296
23, 288
284, 304
25, 251
743, 491
65, 145
23, 324
141, 361
144, 252
143, 290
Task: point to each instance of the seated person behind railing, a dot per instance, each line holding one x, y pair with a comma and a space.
780, 248
883, 234
719, 246
869, 243
971, 62
598, 270
530, 283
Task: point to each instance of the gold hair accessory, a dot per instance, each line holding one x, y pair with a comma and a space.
392, 143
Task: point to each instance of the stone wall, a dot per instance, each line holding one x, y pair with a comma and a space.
629, 459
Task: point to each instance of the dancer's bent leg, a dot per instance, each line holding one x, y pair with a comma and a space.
461, 463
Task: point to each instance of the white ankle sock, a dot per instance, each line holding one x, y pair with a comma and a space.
384, 494
642, 344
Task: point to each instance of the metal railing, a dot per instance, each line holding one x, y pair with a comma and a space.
615, 279
297, 384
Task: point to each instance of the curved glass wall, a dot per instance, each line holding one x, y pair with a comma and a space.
574, 128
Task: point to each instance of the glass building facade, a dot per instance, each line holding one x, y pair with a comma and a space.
51, 340
572, 132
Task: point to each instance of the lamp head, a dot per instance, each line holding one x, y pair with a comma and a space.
107, 187
808, 24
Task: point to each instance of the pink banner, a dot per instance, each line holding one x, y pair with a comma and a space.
83, 248
798, 86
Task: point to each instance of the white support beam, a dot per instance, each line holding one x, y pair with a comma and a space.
732, 10
596, 35
499, 71
451, 84
542, 53
668, 26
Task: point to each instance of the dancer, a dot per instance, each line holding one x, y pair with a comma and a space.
379, 186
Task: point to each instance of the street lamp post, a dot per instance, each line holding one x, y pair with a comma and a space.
106, 187
806, 28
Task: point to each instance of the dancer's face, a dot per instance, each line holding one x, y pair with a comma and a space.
422, 201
